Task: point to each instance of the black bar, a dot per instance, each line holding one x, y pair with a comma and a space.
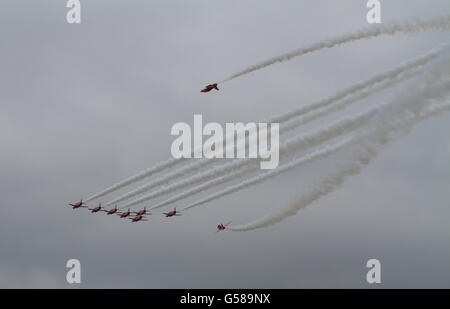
227, 298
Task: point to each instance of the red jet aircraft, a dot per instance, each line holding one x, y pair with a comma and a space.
221, 226
112, 211
172, 213
96, 209
125, 214
142, 212
209, 87
138, 218
78, 205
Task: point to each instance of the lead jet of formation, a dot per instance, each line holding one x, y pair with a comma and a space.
172, 213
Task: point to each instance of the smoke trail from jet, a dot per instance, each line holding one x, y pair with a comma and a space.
323, 152
318, 154
184, 170
435, 84
337, 179
311, 140
237, 167
409, 26
141, 175
367, 87
410, 102
292, 145
328, 184
211, 183
341, 104
288, 122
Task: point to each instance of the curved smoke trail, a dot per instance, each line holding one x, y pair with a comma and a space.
288, 122
425, 90
411, 26
335, 180
407, 27
293, 144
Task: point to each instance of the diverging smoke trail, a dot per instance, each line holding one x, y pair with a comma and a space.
314, 139
288, 122
396, 123
434, 84
291, 146
324, 152
411, 102
337, 179
410, 26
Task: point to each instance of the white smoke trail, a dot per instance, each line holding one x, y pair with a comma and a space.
323, 152
415, 104
237, 167
189, 168
366, 86
315, 138
411, 26
351, 94
335, 180
425, 92
141, 175
341, 104
209, 184
293, 144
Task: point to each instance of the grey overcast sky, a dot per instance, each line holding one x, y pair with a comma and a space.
83, 106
